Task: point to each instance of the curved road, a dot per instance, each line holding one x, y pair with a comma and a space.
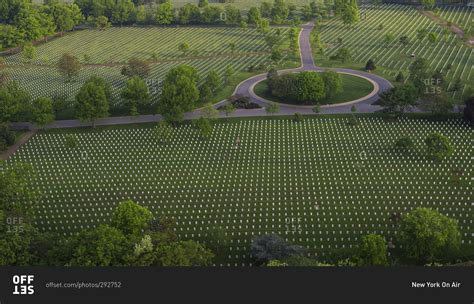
364, 104
245, 88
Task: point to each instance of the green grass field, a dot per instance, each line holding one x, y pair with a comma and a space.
366, 41
109, 50
352, 88
319, 183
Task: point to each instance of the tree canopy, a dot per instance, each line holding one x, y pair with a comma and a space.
179, 93
92, 100
438, 146
427, 236
373, 251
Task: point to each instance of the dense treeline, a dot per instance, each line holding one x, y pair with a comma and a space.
22, 22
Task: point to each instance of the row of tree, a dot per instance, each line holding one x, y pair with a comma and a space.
21, 21
180, 93
424, 237
426, 89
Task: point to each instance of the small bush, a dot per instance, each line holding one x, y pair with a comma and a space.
352, 121
7, 137
297, 117
317, 108
438, 146
71, 141
405, 144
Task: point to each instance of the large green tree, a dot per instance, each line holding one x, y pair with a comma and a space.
10, 36
33, 23
253, 16
280, 11
9, 9
131, 218
121, 11
419, 73
213, 81
136, 67
189, 14
65, 16
42, 111
136, 94
398, 99
438, 146
13, 100
92, 100
179, 93
102, 246
309, 87
332, 83
426, 236
233, 15
164, 13
350, 13
373, 250
69, 66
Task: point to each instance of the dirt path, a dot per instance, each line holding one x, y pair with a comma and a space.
12, 149
453, 28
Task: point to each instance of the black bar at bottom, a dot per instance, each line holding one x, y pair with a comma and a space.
244, 285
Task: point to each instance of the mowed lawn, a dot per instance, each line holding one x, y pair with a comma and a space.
366, 40
352, 88
319, 183
103, 53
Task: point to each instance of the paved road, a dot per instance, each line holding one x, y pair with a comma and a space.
246, 88
364, 105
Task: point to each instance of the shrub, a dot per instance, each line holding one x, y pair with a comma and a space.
400, 77
7, 137
317, 108
438, 146
405, 144
241, 102
204, 127
71, 141
370, 65
373, 250
352, 121
297, 117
